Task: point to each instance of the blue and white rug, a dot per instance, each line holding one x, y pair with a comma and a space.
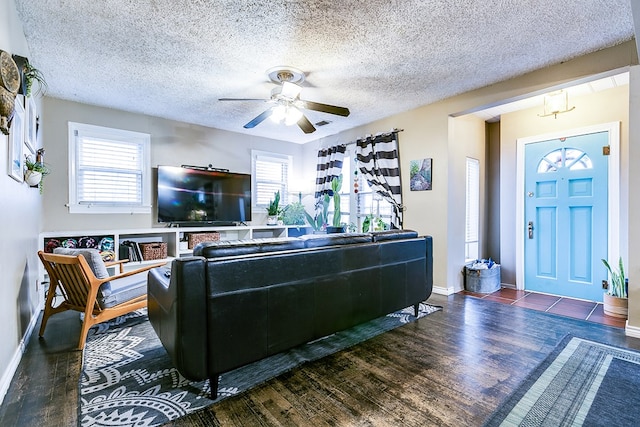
128, 379
581, 383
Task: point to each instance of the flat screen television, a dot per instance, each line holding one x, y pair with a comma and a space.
201, 196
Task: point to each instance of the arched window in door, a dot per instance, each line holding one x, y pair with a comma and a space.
565, 157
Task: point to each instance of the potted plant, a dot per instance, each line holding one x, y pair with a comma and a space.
31, 75
293, 214
615, 300
336, 186
320, 221
34, 172
273, 209
373, 223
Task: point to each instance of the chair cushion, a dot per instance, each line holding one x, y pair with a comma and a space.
125, 289
93, 258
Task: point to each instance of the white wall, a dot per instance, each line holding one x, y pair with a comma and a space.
633, 173
19, 219
466, 139
172, 143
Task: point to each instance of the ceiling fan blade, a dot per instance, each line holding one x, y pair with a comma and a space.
259, 119
243, 99
325, 108
306, 125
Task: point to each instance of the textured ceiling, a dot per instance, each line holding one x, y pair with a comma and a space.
175, 58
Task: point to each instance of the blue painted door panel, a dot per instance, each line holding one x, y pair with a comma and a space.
566, 208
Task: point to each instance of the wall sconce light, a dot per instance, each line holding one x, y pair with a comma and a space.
556, 103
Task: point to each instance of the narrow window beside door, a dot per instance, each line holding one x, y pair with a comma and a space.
472, 212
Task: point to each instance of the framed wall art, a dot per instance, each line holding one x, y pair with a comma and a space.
30, 115
420, 174
16, 138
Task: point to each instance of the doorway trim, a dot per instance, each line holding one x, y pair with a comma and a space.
613, 246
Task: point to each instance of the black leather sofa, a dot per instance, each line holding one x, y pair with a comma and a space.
234, 303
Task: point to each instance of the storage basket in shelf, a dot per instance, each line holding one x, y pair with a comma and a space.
195, 238
154, 250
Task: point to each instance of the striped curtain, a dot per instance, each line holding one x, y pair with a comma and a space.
329, 166
378, 161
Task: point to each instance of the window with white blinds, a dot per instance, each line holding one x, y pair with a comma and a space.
472, 215
270, 174
109, 170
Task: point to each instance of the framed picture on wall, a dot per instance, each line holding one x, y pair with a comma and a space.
16, 138
420, 174
30, 115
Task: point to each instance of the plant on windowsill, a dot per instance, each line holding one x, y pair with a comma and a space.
293, 214
320, 220
273, 209
35, 172
373, 223
616, 301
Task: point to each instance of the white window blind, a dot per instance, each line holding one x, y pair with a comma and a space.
109, 170
472, 213
270, 174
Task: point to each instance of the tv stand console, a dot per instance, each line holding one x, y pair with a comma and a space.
174, 237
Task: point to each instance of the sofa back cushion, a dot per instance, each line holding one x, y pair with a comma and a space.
224, 248
332, 239
381, 236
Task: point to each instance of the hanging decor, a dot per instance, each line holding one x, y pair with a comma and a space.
9, 85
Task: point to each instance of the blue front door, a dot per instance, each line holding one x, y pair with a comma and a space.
566, 215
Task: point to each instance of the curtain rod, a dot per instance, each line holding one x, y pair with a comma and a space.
394, 130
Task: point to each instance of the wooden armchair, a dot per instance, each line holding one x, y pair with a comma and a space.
81, 278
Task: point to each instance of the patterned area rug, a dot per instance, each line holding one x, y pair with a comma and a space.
580, 383
128, 379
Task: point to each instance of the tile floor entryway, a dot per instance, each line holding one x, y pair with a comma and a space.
578, 309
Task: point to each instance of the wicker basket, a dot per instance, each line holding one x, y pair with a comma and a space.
155, 250
195, 238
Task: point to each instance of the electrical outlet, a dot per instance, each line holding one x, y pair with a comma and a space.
605, 284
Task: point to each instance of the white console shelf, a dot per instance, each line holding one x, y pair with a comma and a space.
174, 237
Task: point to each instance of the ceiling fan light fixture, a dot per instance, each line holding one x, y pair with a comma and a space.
285, 73
292, 116
290, 90
279, 113
287, 114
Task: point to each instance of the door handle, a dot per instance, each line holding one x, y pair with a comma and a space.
530, 229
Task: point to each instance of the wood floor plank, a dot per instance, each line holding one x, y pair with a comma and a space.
451, 368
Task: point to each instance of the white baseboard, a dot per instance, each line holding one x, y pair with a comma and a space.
442, 291
8, 374
631, 331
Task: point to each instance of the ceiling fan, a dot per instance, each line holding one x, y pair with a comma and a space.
287, 106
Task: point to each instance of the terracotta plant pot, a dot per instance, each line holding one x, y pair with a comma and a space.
616, 306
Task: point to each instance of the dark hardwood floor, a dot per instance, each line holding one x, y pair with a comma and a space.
451, 368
